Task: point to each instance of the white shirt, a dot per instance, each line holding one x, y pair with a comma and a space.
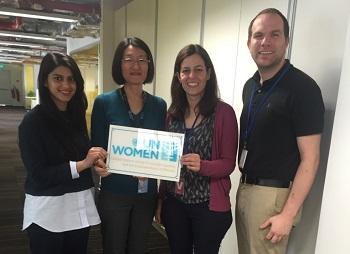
70, 211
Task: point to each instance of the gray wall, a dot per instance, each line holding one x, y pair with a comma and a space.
11, 77
335, 220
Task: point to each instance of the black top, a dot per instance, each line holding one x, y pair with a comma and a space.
45, 158
294, 108
198, 140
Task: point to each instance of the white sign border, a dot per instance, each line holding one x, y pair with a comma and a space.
174, 178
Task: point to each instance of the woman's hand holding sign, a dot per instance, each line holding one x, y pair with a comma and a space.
192, 161
101, 168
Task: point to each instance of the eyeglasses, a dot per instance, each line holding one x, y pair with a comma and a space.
140, 61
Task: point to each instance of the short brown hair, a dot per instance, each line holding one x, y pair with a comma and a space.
270, 11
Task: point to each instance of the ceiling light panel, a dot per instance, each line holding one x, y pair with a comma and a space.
17, 50
26, 35
10, 61
37, 15
13, 55
21, 44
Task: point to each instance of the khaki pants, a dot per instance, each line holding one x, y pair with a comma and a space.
254, 205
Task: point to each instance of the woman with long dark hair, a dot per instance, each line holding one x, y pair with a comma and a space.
59, 201
196, 211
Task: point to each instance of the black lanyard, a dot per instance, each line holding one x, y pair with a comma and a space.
251, 119
188, 134
195, 120
136, 121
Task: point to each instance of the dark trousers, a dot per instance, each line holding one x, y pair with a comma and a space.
194, 228
126, 221
42, 241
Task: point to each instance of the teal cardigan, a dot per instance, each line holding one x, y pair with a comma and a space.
109, 108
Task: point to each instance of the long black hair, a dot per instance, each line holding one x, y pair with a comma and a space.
65, 125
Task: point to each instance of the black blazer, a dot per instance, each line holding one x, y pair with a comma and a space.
43, 155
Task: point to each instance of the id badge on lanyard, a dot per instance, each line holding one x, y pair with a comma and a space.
252, 115
180, 187
243, 158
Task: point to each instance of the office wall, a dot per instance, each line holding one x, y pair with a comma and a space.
143, 25
110, 28
221, 27
89, 73
179, 24
335, 208
11, 85
75, 45
316, 32
28, 78
222, 18
138, 18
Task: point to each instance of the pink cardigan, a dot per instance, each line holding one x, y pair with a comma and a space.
223, 158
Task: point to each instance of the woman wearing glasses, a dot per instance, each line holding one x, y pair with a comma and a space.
127, 203
196, 211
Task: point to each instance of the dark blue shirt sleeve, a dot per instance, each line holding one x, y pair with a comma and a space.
99, 124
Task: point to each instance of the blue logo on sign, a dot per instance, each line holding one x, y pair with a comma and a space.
149, 149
